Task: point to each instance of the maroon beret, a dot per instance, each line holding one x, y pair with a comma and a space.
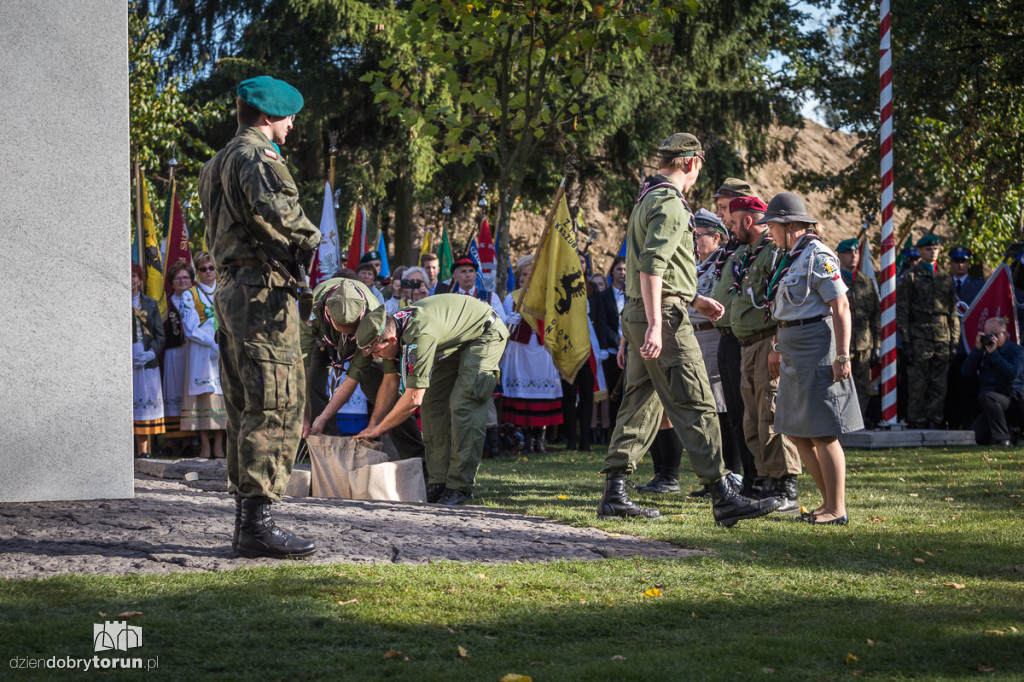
747, 204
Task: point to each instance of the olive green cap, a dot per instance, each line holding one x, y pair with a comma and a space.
929, 240
734, 187
271, 96
847, 245
346, 304
680, 144
371, 327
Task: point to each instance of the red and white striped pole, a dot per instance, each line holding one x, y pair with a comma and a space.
888, 274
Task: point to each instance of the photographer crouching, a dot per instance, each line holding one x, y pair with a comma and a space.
999, 365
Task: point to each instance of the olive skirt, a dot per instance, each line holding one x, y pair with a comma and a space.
809, 404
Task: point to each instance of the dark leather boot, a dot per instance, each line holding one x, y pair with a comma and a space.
615, 504
259, 536
434, 492
540, 445
493, 447
238, 522
785, 489
661, 484
728, 506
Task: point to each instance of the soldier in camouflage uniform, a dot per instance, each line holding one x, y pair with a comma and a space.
865, 313
328, 340
928, 322
257, 233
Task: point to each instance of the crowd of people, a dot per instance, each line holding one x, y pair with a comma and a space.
735, 336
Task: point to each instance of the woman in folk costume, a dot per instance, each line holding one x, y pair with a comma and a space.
147, 342
533, 390
816, 400
181, 275
203, 405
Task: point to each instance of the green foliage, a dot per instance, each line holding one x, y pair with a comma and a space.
958, 113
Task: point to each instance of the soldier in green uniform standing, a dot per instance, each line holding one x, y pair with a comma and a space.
927, 320
258, 234
775, 456
664, 366
328, 340
865, 315
449, 346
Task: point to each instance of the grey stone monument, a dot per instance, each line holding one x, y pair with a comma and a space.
65, 225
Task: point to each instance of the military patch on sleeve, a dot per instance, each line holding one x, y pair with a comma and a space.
826, 266
271, 153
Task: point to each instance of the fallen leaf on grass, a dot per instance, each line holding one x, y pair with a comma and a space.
618, 657
914, 495
653, 592
393, 654
513, 677
727, 594
1013, 629
918, 560
850, 658
130, 614
918, 591
995, 632
871, 642
463, 653
613, 535
482, 576
986, 668
561, 497
767, 671
101, 614
350, 601
955, 586
947, 499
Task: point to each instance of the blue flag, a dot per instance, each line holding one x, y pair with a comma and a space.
510, 286
385, 271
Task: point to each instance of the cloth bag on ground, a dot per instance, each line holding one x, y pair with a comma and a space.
335, 460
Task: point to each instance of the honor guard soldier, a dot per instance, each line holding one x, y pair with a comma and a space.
664, 364
865, 313
926, 316
448, 347
259, 238
328, 341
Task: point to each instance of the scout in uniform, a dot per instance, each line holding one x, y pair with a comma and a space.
328, 341
865, 312
664, 364
926, 316
449, 347
258, 232
775, 457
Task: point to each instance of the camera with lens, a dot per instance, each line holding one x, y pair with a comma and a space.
989, 339
411, 284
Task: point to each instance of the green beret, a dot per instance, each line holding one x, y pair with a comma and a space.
847, 245
371, 327
929, 240
347, 303
271, 96
680, 144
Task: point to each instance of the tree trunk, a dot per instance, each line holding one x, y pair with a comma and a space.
404, 230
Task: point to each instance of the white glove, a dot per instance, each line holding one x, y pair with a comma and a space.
140, 359
513, 319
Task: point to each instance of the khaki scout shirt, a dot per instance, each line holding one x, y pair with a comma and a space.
747, 318
247, 184
319, 332
436, 327
660, 242
720, 289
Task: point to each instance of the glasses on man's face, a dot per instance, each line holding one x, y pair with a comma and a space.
207, 268
700, 155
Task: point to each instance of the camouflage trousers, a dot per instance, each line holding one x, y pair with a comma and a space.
927, 379
264, 385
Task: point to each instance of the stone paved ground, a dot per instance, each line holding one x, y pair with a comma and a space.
170, 527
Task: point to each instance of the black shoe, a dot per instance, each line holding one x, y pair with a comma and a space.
785, 489
493, 443
839, 521
700, 494
434, 492
729, 507
615, 503
661, 484
238, 523
453, 497
527, 444
259, 536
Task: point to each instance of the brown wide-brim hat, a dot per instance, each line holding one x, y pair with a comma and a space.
786, 207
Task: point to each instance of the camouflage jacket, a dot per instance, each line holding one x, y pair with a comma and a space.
865, 312
247, 186
926, 307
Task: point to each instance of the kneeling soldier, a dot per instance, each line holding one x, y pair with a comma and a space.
450, 346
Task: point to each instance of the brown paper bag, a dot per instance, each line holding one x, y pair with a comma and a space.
400, 481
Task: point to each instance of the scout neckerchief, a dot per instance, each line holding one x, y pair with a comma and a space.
712, 259
654, 182
783, 267
402, 318
740, 270
723, 255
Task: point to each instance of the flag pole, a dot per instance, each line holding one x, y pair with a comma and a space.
138, 212
888, 274
543, 238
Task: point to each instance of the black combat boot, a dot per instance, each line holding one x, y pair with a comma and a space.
728, 506
434, 492
493, 448
785, 489
238, 522
616, 504
259, 536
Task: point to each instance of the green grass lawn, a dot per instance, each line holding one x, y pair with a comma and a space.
926, 583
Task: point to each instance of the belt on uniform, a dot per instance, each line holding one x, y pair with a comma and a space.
755, 337
673, 297
703, 326
725, 331
798, 323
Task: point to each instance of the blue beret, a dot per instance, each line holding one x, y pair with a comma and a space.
271, 96
911, 252
847, 245
929, 240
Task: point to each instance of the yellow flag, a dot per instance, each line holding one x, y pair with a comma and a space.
557, 297
153, 266
425, 249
